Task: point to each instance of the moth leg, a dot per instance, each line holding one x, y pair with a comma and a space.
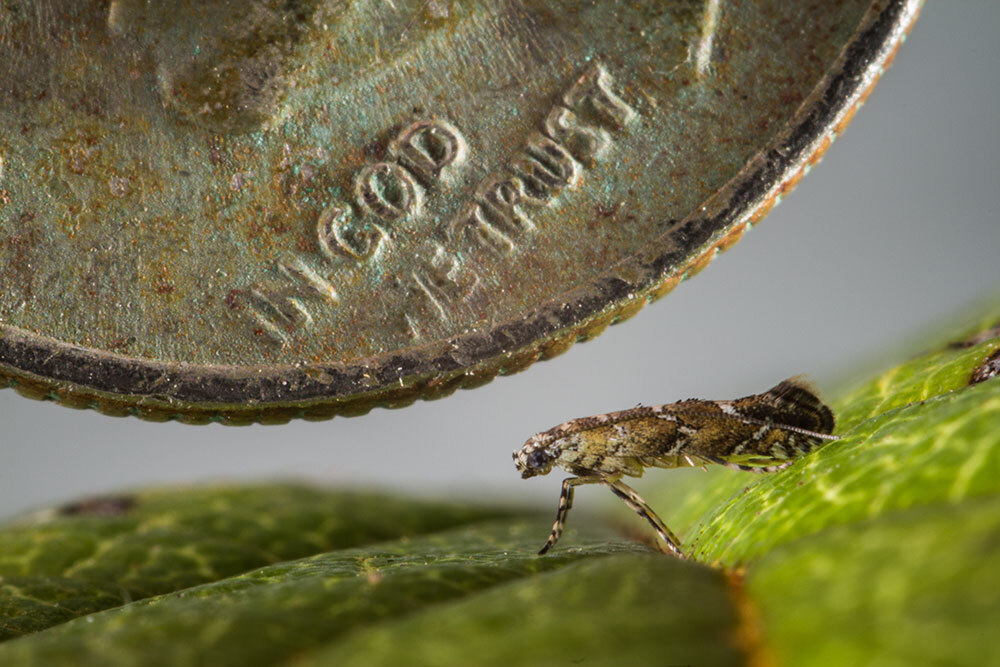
635, 501
757, 469
691, 462
565, 503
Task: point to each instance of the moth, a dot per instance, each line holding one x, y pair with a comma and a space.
761, 433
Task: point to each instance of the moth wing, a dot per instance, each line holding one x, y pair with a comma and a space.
637, 442
799, 400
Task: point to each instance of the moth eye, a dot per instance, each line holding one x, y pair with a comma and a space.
537, 459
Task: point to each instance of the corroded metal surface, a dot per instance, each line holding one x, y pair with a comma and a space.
251, 211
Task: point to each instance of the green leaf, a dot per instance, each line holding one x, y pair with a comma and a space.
637, 609
941, 450
102, 553
881, 548
919, 379
917, 587
297, 607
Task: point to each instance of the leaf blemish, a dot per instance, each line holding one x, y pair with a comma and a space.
108, 506
986, 370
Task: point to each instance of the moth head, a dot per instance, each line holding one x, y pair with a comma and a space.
536, 457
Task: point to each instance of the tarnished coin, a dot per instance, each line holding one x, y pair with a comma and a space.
254, 210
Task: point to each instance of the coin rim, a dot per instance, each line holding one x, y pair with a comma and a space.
43, 368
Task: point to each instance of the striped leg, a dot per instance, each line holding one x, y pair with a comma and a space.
635, 501
757, 469
565, 503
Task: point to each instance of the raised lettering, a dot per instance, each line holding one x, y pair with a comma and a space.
339, 232
545, 168
432, 149
585, 143
388, 191
502, 200
436, 285
594, 87
280, 309
499, 220
278, 313
301, 273
471, 224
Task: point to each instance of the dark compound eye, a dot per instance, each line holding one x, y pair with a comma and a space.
538, 459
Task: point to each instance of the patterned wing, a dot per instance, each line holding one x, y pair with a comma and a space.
780, 424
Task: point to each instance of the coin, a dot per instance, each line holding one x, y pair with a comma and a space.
254, 211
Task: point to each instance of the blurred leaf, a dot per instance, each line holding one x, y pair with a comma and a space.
917, 587
287, 611
102, 553
638, 609
916, 380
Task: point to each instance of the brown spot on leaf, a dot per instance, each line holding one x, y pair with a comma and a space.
976, 339
749, 634
99, 506
986, 370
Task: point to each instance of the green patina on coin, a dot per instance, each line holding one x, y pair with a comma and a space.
249, 211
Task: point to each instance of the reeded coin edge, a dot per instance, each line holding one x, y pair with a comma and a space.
42, 368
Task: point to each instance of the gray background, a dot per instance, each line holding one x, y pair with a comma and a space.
894, 232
